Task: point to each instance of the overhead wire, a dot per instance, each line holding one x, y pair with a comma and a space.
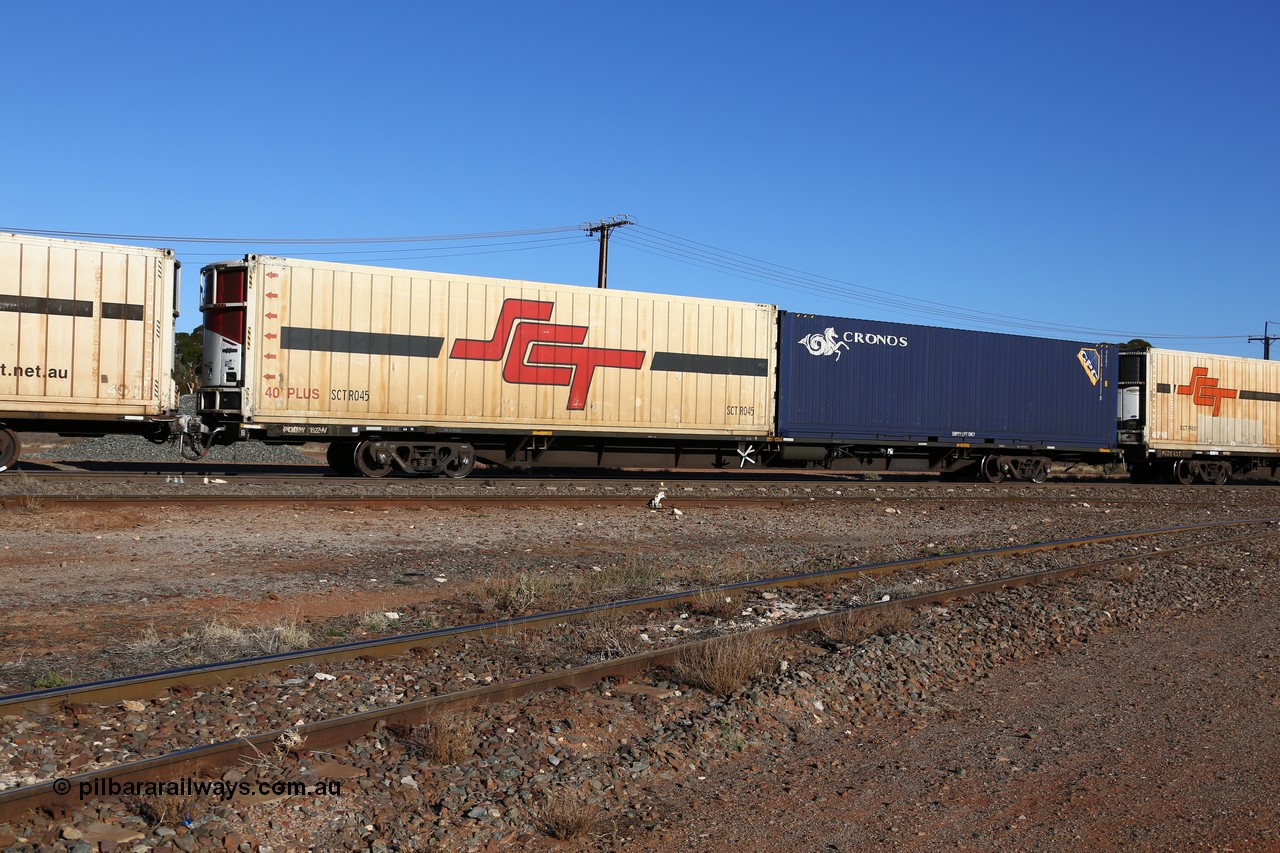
650, 241
737, 264
293, 241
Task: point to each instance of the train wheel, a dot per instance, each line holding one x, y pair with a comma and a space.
992, 469
1041, 472
460, 464
10, 447
1181, 472
367, 463
341, 458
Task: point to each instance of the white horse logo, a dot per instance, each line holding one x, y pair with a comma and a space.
825, 343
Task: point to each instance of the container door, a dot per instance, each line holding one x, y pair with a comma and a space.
223, 292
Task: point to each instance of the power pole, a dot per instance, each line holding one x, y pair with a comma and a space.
603, 227
1266, 340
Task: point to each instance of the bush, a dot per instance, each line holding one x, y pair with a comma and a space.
723, 665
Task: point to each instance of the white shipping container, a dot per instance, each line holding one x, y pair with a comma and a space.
1212, 403
86, 330
316, 343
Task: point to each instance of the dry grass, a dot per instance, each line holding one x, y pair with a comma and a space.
273, 761
444, 739
217, 641
854, 626
567, 818
517, 594
27, 497
738, 566
632, 574
717, 604
723, 665
605, 635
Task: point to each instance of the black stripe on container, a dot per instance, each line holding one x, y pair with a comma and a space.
45, 305
121, 311
1265, 396
364, 343
1164, 388
729, 365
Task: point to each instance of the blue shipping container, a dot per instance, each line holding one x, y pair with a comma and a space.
894, 382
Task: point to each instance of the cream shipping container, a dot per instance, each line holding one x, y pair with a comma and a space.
425, 372
1189, 416
86, 339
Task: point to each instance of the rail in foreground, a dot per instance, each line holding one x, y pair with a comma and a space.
147, 685
58, 794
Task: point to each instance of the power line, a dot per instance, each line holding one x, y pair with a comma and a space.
745, 266
436, 251
292, 241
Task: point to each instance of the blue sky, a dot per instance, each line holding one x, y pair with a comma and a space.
1082, 170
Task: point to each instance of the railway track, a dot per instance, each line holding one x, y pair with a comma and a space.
255, 488
323, 733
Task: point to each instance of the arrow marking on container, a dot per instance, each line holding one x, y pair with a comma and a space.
271, 295
269, 355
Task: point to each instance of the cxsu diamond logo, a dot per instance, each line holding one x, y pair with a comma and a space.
1091, 360
542, 353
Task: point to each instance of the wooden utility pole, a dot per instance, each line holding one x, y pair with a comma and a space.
1266, 340
603, 227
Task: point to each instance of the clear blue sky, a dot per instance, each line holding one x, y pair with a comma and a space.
1112, 167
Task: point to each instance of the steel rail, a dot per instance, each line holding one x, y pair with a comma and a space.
111, 691
62, 794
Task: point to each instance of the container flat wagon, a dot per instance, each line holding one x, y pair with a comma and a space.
892, 395
426, 372
86, 339
1191, 416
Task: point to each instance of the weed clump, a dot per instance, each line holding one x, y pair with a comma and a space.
723, 665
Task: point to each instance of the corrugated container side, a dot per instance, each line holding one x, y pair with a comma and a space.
85, 328
1200, 402
847, 379
344, 344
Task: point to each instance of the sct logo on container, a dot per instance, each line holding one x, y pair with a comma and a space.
542, 353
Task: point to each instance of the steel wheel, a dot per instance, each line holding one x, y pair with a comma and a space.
10, 447
992, 469
1182, 473
460, 464
367, 463
1041, 472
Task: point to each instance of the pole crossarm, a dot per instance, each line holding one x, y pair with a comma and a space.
603, 227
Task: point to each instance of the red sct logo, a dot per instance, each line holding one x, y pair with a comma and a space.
542, 353
1205, 391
